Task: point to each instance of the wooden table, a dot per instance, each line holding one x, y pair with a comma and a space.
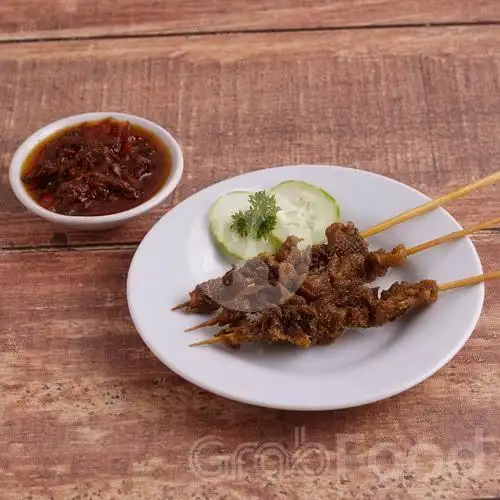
409, 89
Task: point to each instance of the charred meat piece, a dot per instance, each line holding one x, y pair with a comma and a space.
288, 323
403, 297
315, 285
258, 282
347, 268
199, 298
303, 324
344, 239
328, 321
377, 263
311, 273
320, 256
291, 267
288, 251
341, 272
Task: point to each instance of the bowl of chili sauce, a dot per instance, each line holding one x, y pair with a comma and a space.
96, 170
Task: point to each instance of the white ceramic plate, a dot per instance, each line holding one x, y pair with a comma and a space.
363, 365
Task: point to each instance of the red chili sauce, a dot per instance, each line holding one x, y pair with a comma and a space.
96, 168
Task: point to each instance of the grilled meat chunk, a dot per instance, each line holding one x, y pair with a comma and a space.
268, 280
344, 239
304, 324
403, 297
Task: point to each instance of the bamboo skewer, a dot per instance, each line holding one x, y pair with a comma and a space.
422, 209
450, 285
472, 280
180, 306
407, 253
426, 207
453, 236
231, 337
203, 324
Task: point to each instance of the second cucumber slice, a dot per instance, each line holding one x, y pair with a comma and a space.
306, 211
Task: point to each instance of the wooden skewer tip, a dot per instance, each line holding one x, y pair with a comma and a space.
220, 338
210, 322
430, 205
453, 236
210, 341
180, 306
472, 280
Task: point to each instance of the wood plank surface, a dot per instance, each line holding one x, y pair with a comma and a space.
420, 105
84, 18
88, 413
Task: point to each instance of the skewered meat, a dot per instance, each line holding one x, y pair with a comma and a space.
377, 263
402, 297
289, 252
315, 284
263, 278
344, 239
304, 324
269, 279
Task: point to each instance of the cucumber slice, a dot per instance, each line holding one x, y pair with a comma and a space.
306, 211
228, 241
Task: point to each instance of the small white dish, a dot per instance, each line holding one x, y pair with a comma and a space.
363, 366
97, 222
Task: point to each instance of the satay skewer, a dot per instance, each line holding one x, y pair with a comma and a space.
236, 337
223, 317
204, 324
228, 337
409, 214
489, 224
431, 205
398, 255
472, 280
180, 306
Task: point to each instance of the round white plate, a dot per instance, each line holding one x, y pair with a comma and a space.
363, 365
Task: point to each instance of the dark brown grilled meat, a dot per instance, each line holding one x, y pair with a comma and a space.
289, 252
200, 300
320, 256
304, 324
268, 280
315, 285
403, 297
344, 239
377, 263
347, 268
257, 283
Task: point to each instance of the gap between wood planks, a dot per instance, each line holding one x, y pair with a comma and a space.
14, 40
82, 247
95, 247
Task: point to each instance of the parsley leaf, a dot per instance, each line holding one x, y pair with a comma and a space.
240, 223
259, 219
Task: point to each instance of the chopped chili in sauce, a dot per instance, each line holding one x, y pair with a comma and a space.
96, 168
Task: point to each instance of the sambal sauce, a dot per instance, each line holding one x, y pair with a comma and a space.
96, 168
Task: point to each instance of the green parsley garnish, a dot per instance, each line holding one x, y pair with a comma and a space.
259, 220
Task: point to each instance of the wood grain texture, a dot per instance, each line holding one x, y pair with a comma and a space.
70, 18
418, 105
88, 413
